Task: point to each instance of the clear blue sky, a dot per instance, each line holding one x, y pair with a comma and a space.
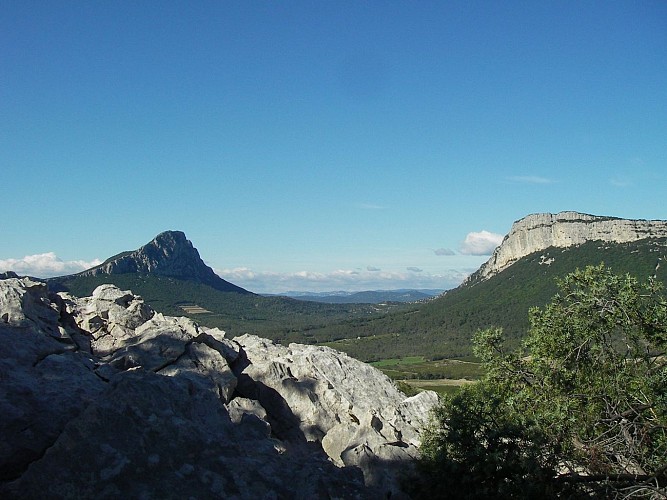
323, 145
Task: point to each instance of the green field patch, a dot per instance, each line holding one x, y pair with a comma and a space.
441, 386
418, 368
408, 360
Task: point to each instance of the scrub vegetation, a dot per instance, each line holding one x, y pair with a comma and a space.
578, 410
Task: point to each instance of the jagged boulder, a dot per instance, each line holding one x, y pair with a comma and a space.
24, 303
206, 368
151, 436
45, 381
319, 395
110, 316
152, 406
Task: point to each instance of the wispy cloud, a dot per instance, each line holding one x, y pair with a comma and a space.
444, 251
340, 279
370, 206
530, 179
481, 243
45, 265
619, 181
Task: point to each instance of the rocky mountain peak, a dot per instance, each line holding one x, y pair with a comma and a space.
537, 232
169, 254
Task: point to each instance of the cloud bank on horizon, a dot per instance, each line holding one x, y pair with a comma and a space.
46, 265
341, 279
480, 243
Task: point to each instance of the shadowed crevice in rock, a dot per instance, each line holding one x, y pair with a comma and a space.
38, 399
285, 426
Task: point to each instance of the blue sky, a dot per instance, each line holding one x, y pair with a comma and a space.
323, 145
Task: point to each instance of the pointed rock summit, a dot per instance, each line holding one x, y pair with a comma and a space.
169, 254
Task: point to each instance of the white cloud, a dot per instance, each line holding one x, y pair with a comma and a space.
481, 243
45, 265
340, 279
444, 251
531, 179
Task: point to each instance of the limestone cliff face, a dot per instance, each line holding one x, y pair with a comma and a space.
537, 232
169, 254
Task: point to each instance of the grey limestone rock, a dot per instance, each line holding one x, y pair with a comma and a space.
111, 316
44, 380
354, 412
206, 368
154, 406
24, 303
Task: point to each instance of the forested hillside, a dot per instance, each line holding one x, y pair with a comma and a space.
444, 326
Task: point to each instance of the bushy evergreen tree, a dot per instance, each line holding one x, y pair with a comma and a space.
580, 410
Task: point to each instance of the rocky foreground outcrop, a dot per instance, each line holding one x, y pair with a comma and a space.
103, 397
538, 232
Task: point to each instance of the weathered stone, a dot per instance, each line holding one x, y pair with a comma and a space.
206, 368
155, 406
42, 387
250, 413
215, 339
111, 316
152, 437
155, 344
318, 395
24, 303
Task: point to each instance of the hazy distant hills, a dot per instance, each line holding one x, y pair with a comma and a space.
365, 297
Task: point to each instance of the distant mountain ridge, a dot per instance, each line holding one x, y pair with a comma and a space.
537, 232
169, 254
366, 296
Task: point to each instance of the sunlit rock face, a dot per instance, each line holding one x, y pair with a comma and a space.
540, 231
319, 395
103, 397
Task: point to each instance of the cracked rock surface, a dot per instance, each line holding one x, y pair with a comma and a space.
103, 397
